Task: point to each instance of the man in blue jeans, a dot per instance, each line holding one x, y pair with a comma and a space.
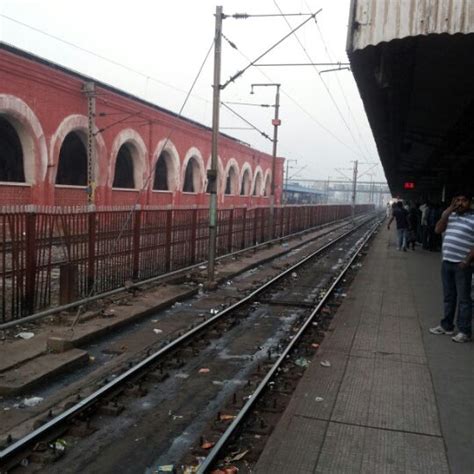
401, 217
457, 221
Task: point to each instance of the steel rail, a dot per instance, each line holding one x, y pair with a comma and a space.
211, 457
7, 454
164, 276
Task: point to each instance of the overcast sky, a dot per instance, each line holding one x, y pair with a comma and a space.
154, 49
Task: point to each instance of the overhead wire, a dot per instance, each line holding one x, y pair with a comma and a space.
342, 88
148, 178
100, 56
333, 100
298, 105
246, 121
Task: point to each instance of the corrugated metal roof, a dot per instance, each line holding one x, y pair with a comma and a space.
376, 21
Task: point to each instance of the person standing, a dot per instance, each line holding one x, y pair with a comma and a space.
400, 215
457, 221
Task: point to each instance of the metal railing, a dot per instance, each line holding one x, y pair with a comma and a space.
50, 257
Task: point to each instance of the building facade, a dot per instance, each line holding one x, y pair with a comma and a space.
143, 154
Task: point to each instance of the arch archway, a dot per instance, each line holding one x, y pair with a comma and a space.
11, 154
245, 180
192, 174
72, 163
128, 158
232, 178
267, 189
124, 173
166, 167
257, 182
78, 124
29, 133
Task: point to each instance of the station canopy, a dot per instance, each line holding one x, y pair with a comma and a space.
418, 93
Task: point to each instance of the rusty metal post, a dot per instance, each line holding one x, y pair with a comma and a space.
67, 283
231, 231
193, 235
169, 230
254, 238
137, 223
30, 262
262, 225
91, 254
244, 227
89, 90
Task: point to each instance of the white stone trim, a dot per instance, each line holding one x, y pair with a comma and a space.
31, 135
79, 124
139, 153
173, 165
199, 180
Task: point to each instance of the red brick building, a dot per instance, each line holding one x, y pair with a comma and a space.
144, 153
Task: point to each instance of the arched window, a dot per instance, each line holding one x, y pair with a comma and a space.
161, 182
72, 166
267, 189
191, 177
257, 187
124, 173
232, 181
245, 188
11, 154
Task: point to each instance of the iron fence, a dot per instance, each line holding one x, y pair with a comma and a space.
53, 256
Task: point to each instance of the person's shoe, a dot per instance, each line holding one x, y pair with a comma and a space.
440, 330
461, 337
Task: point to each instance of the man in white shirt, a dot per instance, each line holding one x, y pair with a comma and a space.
457, 221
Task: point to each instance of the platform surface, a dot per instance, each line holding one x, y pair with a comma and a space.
396, 399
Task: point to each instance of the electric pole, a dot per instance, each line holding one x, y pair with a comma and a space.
89, 90
354, 190
212, 173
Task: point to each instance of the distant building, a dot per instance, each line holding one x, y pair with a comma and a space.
294, 193
138, 145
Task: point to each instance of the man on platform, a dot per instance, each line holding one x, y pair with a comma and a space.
457, 221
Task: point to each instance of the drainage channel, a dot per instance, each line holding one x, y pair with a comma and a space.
246, 316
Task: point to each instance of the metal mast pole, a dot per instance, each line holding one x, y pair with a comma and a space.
89, 90
276, 123
354, 190
212, 173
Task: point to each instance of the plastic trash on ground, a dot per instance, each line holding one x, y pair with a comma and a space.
318, 399
25, 335
325, 363
224, 417
204, 370
165, 468
302, 362
32, 402
157, 331
207, 445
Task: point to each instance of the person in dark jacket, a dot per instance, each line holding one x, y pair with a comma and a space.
400, 215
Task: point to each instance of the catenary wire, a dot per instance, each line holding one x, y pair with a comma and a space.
148, 178
331, 96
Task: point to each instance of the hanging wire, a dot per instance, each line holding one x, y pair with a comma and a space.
300, 107
92, 53
333, 100
148, 178
342, 89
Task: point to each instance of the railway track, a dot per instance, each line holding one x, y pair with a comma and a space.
157, 366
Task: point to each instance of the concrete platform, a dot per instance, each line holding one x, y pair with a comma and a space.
396, 399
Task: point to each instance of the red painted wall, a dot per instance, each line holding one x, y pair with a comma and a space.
46, 102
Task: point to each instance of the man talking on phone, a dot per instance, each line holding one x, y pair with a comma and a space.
457, 222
